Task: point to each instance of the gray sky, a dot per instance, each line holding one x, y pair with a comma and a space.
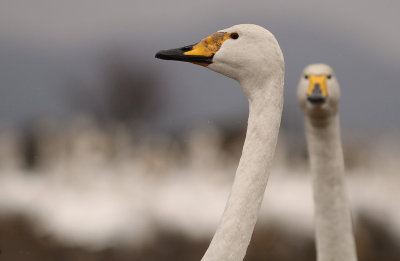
44, 42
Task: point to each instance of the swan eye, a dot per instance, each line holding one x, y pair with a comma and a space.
329, 76
306, 76
234, 36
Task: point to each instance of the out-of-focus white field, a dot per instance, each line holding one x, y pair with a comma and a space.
97, 190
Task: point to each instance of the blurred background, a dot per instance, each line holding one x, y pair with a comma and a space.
109, 154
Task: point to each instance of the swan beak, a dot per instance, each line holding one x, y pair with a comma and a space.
201, 53
317, 89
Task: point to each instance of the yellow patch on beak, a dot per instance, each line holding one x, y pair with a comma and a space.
317, 82
209, 46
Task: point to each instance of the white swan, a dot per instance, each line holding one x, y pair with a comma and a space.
251, 55
318, 95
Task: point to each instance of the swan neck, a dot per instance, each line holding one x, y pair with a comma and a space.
236, 226
334, 235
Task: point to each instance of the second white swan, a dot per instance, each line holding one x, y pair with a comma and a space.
318, 95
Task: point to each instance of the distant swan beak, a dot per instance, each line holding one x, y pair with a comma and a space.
201, 53
317, 89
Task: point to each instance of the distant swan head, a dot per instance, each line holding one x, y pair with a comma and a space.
242, 52
318, 91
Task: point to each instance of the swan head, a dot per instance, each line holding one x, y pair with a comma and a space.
241, 52
318, 91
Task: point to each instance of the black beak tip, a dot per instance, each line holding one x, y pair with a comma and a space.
178, 54
171, 54
161, 55
316, 99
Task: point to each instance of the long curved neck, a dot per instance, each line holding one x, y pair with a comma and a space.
334, 236
234, 232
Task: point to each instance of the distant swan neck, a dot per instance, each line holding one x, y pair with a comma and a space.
236, 226
334, 235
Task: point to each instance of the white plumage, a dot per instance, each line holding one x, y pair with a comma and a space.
318, 95
251, 55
